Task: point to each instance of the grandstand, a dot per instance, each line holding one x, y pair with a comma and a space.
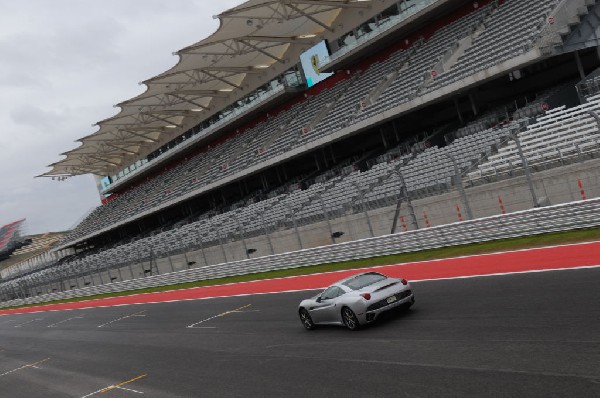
231, 155
11, 239
32, 246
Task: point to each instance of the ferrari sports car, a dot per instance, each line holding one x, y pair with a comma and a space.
355, 301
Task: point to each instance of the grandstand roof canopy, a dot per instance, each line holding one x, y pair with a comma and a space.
256, 41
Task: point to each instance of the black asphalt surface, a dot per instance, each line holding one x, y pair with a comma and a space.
525, 335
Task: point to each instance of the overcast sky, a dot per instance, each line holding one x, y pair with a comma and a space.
63, 64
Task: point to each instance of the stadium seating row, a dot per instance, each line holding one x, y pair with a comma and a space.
558, 136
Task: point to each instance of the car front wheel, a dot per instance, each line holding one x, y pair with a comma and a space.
306, 320
350, 319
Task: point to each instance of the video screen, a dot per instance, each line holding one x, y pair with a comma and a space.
311, 63
104, 183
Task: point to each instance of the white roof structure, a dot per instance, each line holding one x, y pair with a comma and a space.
256, 41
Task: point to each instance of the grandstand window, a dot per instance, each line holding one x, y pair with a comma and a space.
293, 78
394, 11
376, 25
348, 40
364, 29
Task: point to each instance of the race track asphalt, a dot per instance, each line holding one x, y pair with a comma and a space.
519, 335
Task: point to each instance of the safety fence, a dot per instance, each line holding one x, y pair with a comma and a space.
564, 217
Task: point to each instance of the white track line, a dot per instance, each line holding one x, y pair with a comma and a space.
237, 310
123, 317
28, 322
63, 321
129, 389
318, 288
31, 365
93, 393
411, 281
535, 271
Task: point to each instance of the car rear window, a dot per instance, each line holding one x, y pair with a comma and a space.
364, 280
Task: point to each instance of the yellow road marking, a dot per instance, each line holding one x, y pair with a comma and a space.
38, 362
122, 384
236, 310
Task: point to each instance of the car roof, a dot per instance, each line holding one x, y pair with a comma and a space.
344, 288
340, 282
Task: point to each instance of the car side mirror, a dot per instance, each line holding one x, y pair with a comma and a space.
319, 299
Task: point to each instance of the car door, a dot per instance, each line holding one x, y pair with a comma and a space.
326, 310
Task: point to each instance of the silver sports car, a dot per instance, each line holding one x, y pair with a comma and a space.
355, 301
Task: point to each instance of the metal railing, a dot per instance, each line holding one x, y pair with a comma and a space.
589, 87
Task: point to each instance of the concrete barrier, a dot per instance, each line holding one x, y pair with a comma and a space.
570, 216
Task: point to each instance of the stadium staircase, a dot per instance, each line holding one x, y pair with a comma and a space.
561, 23
458, 49
330, 105
399, 66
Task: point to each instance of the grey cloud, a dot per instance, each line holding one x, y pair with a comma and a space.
64, 63
30, 115
18, 80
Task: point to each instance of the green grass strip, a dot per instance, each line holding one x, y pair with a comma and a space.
557, 238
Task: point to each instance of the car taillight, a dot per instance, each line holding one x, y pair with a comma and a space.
366, 296
404, 282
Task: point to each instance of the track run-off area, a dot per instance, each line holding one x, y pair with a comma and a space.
528, 260
521, 323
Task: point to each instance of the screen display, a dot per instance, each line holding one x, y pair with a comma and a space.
104, 183
311, 63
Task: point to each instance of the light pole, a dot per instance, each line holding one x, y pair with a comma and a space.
218, 234
320, 197
514, 136
295, 225
403, 193
459, 182
262, 216
200, 242
364, 207
242, 234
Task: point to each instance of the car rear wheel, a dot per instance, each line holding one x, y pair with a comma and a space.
306, 320
350, 319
